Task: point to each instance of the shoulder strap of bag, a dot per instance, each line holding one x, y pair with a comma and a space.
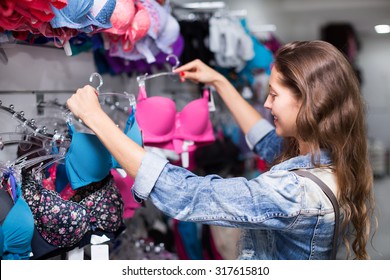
332, 199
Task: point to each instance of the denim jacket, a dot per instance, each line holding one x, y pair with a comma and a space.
282, 215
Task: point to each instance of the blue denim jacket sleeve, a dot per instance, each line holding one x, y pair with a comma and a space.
263, 140
272, 200
148, 173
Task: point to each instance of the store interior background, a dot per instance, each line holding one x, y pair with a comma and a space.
37, 68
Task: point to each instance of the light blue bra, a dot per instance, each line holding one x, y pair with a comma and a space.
17, 230
83, 14
88, 160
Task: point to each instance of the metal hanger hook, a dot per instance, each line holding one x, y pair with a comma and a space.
177, 61
95, 74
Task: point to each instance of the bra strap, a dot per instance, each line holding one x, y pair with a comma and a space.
71, 129
206, 94
332, 199
142, 93
130, 120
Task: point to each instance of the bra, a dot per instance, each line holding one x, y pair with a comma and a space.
158, 17
121, 17
88, 160
83, 14
124, 185
17, 230
138, 28
169, 35
132, 131
163, 127
64, 223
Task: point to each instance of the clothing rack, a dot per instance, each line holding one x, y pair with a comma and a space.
33, 91
48, 45
3, 47
30, 124
39, 95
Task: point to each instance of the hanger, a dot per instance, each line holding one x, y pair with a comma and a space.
26, 124
7, 169
53, 104
37, 172
22, 163
130, 97
100, 78
10, 138
141, 79
63, 145
46, 148
51, 114
112, 102
105, 98
45, 151
68, 114
112, 105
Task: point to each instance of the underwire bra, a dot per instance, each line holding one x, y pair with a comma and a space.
17, 229
64, 223
163, 127
88, 160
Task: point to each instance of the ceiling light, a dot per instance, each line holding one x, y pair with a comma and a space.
205, 5
382, 28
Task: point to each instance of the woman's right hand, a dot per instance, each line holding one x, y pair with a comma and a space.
84, 104
199, 72
242, 111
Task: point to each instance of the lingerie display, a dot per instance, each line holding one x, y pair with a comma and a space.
64, 223
62, 191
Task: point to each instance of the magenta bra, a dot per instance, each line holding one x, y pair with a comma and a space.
163, 127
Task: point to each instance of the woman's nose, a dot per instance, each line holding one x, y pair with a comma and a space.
267, 103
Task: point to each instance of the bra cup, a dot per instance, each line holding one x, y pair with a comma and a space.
163, 127
87, 160
193, 119
1, 242
61, 223
74, 15
76, 10
107, 204
18, 229
156, 118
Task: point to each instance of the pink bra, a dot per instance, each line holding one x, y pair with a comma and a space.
163, 127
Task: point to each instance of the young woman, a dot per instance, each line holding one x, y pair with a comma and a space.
318, 126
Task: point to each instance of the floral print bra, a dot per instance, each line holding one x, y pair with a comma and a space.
63, 223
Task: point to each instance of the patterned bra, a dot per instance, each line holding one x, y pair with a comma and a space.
63, 223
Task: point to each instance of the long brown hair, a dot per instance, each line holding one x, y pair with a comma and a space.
332, 117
